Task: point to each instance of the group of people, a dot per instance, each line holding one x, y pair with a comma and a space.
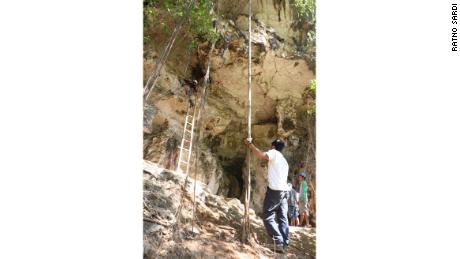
279, 195
298, 202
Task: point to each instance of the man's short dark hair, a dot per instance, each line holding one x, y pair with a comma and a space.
278, 144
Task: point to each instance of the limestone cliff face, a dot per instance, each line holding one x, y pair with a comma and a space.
280, 100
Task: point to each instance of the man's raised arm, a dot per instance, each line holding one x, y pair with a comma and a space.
255, 150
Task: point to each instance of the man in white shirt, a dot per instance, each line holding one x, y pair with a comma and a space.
275, 203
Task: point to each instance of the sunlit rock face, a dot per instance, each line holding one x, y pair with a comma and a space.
279, 101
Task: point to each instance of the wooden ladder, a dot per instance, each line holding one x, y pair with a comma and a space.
185, 149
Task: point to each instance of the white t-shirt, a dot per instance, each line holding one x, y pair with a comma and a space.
278, 169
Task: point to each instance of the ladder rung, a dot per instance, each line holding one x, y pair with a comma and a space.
185, 149
188, 131
184, 162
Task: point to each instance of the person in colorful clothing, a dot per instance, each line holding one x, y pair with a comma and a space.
293, 202
303, 199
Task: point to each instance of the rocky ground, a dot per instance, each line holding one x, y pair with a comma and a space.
168, 231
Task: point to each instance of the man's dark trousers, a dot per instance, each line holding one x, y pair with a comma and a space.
275, 216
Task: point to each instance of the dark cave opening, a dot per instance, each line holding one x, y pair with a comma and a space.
233, 168
197, 72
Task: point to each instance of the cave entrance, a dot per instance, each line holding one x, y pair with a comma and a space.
233, 169
197, 72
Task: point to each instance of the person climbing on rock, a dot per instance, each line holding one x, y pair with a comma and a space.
190, 89
275, 205
303, 199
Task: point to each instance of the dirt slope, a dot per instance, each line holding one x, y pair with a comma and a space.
168, 210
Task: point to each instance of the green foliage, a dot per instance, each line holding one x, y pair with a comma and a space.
312, 109
199, 22
305, 9
304, 14
150, 10
147, 39
313, 86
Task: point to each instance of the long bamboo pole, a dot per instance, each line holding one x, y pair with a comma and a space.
246, 231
